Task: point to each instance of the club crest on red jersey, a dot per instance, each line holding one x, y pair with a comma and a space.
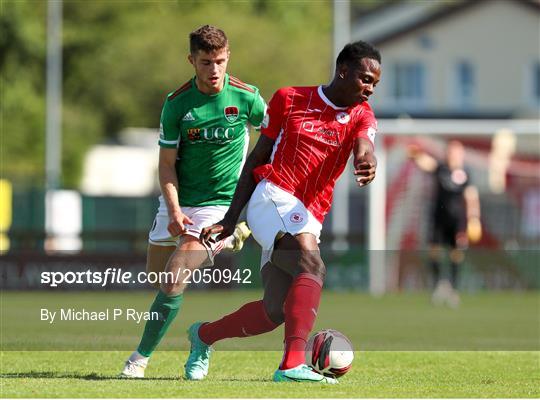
231, 113
343, 117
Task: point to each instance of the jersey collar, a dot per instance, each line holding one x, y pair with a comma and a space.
327, 100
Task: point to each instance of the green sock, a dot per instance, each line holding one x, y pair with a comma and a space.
167, 307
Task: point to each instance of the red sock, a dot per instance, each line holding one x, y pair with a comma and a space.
300, 309
249, 320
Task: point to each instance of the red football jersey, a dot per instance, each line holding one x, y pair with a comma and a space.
313, 141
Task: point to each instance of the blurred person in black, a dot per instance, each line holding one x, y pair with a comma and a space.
455, 216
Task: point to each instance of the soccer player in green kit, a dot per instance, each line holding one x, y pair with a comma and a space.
203, 144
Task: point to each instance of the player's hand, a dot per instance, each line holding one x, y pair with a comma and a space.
413, 150
177, 223
364, 169
218, 231
474, 230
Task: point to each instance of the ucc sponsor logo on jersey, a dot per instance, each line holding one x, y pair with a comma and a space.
215, 135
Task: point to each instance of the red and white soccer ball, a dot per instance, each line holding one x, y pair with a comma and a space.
330, 353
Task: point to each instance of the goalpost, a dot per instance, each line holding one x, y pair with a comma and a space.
498, 152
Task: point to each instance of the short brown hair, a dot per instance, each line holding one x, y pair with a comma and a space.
207, 38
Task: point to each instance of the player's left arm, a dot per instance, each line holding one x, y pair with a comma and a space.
472, 206
257, 110
365, 163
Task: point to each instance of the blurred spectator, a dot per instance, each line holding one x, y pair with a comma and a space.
455, 216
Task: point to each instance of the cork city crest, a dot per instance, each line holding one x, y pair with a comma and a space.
231, 113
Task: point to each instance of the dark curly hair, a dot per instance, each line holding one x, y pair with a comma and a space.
354, 52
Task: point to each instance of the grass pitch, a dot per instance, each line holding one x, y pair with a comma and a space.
405, 347
244, 374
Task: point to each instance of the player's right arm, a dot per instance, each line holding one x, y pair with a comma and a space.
168, 182
169, 137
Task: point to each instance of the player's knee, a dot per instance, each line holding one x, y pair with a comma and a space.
171, 288
312, 263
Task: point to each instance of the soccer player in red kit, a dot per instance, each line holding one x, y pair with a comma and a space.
307, 137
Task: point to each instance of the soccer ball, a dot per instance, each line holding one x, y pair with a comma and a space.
330, 353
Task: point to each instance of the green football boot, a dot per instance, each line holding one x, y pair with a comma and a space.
196, 367
302, 373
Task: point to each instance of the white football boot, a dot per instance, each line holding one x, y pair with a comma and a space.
134, 369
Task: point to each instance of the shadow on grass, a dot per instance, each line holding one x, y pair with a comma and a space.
88, 377
96, 377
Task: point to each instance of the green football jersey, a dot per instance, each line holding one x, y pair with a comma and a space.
212, 137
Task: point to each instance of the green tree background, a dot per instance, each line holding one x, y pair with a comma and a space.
121, 58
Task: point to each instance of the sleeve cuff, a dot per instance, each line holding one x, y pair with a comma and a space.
169, 144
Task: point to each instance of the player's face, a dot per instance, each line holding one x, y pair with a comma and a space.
210, 69
360, 81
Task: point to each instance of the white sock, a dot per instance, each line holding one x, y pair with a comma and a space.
136, 356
